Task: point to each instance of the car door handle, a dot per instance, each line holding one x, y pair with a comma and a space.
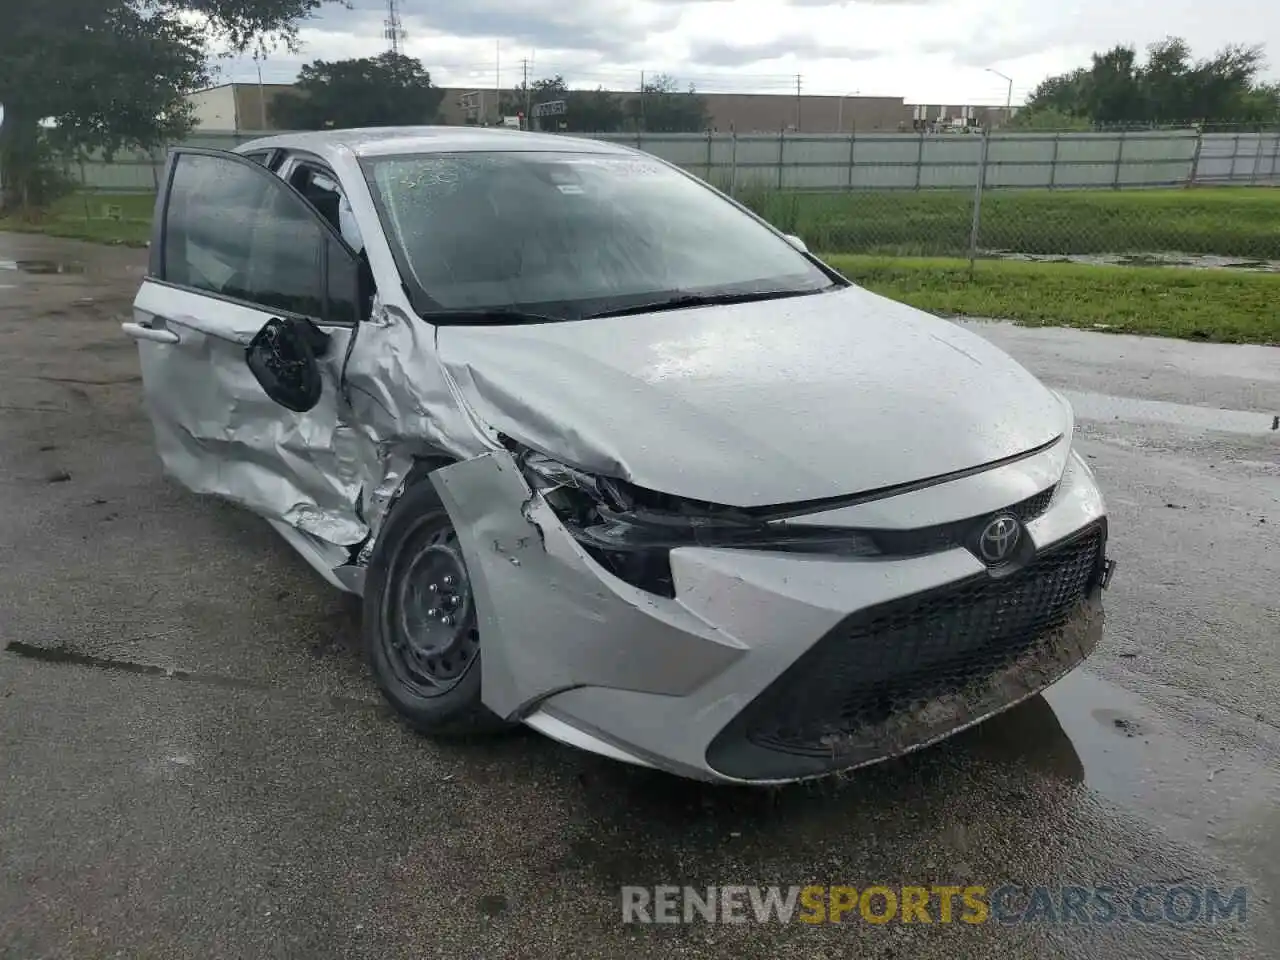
140, 332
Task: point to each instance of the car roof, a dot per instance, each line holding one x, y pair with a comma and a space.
383, 141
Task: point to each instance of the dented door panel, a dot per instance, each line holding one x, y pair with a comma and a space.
217, 431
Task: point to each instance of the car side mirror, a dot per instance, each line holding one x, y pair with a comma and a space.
284, 358
797, 243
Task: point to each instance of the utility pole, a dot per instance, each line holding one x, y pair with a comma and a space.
642, 100
393, 29
262, 96
528, 96
798, 103
497, 78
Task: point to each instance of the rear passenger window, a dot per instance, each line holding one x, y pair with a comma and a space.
239, 232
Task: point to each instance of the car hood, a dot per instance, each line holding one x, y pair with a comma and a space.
762, 403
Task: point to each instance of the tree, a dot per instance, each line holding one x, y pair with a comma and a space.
594, 111
662, 108
383, 91
1168, 88
586, 111
109, 74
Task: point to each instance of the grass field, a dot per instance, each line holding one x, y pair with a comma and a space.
92, 216
1228, 221
1218, 305
1214, 305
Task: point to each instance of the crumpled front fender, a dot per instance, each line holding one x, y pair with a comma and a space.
552, 619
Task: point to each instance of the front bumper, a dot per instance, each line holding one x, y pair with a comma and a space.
771, 667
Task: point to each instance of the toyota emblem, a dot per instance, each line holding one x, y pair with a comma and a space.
999, 539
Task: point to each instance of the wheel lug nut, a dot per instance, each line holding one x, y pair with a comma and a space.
448, 580
447, 620
433, 612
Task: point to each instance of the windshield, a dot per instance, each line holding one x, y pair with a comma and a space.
572, 234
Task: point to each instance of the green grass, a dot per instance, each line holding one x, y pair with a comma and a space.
1214, 305
92, 216
1228, 221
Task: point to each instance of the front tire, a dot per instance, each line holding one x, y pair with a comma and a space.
420, 626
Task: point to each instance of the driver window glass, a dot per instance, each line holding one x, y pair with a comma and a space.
238, 232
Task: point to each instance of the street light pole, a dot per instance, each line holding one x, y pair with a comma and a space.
1008, 99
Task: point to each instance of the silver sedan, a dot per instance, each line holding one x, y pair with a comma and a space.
607, 455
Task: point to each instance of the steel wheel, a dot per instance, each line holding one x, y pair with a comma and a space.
429, 619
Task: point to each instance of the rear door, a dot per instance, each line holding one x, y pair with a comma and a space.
234, 246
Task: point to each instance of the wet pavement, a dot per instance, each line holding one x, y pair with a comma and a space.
193, 762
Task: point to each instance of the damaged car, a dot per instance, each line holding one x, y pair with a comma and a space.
606, 454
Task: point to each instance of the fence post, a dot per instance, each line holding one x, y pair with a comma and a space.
980, 183
1275, 153
733, 164
1195, 157
1115, 180
1235, 155
1053, 164
919, 158
782, 151
708, 176
852, 141
1257, 161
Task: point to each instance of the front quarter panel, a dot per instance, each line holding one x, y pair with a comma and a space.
550, 619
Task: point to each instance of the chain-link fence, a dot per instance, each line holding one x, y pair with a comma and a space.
1138, 196
1131, 197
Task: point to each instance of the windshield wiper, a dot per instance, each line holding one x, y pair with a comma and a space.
681, 300
487, 316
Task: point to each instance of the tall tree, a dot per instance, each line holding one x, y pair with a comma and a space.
383, 91
107, 74
1168, 87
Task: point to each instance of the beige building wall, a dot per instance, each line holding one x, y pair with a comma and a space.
215, 108
247, 107
769, 113
253, 104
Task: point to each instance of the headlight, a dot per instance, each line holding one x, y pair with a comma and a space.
631, 531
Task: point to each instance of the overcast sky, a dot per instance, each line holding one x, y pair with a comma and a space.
929, 51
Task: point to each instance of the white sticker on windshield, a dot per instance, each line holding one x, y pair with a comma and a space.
570, 188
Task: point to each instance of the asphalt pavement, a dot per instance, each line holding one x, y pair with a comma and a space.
194, 763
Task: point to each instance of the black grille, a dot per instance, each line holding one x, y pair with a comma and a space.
900, 656
948, 536
1032, 507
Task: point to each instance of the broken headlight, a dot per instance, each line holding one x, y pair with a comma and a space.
631, 531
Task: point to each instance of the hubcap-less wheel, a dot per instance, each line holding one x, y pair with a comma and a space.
430, 620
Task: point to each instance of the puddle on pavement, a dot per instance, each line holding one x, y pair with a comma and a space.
1099, 407
42, 267
1150, 765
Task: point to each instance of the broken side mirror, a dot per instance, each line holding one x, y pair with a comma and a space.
284, 357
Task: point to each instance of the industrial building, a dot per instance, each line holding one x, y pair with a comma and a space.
243, 107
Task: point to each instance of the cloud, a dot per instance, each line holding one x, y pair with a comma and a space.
929, 51
608, 27
717, 53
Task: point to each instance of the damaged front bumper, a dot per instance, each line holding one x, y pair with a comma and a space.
767, 667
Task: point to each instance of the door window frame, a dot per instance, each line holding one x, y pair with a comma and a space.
156, 270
